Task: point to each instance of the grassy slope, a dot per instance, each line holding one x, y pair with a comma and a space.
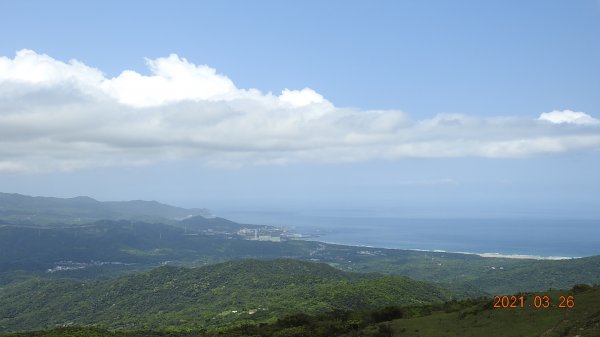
582, 320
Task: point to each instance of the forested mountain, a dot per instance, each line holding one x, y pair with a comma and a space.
246, 290
47, 211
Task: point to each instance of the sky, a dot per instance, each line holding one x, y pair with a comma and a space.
429, 108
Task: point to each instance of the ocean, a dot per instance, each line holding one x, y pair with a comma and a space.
510, 236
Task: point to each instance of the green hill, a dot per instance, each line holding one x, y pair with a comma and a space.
214, 295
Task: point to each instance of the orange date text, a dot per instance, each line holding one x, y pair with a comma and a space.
537, 302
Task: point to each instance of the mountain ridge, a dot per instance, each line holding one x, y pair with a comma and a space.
52, 211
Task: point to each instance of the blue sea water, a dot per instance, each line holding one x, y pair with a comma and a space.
510, 236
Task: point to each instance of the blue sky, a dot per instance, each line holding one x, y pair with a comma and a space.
425, 108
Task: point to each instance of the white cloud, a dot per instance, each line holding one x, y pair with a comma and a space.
30, 67
66, 116
174, 79
298, 98
568, 117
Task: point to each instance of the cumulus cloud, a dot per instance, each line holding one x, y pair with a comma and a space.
568, 117
300, 98
174, 79
57, 115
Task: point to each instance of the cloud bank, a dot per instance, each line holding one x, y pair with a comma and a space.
57, 116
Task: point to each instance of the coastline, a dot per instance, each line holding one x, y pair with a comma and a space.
485, 255
485, 237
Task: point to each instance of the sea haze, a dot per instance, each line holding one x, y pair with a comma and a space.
511, 236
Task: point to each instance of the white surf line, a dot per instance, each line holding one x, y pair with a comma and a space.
525, 257
500, 256
492, 255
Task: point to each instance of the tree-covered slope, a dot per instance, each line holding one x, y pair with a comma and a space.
493, 275
452, 319
216, 295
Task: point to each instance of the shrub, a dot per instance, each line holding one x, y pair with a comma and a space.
386, 314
